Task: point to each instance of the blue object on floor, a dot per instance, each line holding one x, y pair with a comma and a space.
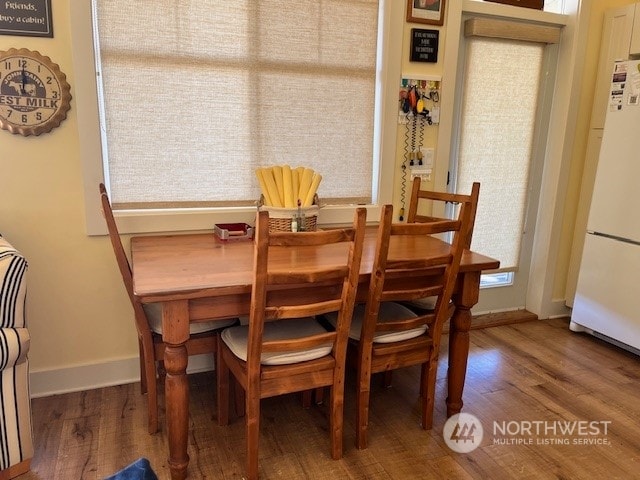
138, 470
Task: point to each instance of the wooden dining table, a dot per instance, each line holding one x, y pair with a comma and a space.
197, 277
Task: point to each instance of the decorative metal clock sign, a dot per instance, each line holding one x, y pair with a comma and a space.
34, 94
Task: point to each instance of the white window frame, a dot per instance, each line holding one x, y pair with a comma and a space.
391, 22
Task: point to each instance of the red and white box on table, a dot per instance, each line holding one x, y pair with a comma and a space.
233, 231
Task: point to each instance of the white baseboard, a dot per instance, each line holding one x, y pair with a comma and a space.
44, 383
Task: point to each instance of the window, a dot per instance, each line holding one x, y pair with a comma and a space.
197, 95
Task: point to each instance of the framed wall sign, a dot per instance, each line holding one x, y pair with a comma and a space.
31, 18
426, 11
424, 45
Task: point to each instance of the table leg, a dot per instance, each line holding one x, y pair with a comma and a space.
175, 328
465, 298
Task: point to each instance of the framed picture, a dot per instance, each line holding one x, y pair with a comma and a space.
426, 11
424, 45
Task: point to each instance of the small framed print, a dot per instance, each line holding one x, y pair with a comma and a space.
426, 11
31, 18
424, 45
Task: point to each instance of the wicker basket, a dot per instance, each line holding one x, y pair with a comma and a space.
280, 218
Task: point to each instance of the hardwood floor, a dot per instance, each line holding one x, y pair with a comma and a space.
537, 371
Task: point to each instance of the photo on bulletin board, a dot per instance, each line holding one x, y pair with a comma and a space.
426, 11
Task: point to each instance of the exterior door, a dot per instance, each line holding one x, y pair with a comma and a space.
503, 103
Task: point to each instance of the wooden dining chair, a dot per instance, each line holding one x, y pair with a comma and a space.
385, 335
284, 349
148, 321
425, 201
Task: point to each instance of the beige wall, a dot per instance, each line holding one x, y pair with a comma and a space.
78, 312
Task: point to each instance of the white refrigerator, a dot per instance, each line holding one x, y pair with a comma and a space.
607, 301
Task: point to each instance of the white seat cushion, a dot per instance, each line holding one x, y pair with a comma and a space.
389, 311
236, 339
154, 315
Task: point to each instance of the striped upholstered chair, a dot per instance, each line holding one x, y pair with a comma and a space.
16, 445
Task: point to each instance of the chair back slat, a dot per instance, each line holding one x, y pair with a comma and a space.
403, 325
417, 266
407, 294
301, 311
298, 344
319, 237
306, 276
431, 228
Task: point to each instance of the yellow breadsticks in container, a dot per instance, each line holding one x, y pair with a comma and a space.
277, 175
287, 182
308, 201
295, 181
263, 186
272, 188
282, 186
305, 184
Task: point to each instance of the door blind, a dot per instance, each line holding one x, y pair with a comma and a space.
501, 87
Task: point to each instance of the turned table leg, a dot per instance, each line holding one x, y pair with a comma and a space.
465, 298
175, 325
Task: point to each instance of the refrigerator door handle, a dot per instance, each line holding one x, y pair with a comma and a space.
615, 237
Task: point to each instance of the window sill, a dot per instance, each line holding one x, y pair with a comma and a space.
155, 221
